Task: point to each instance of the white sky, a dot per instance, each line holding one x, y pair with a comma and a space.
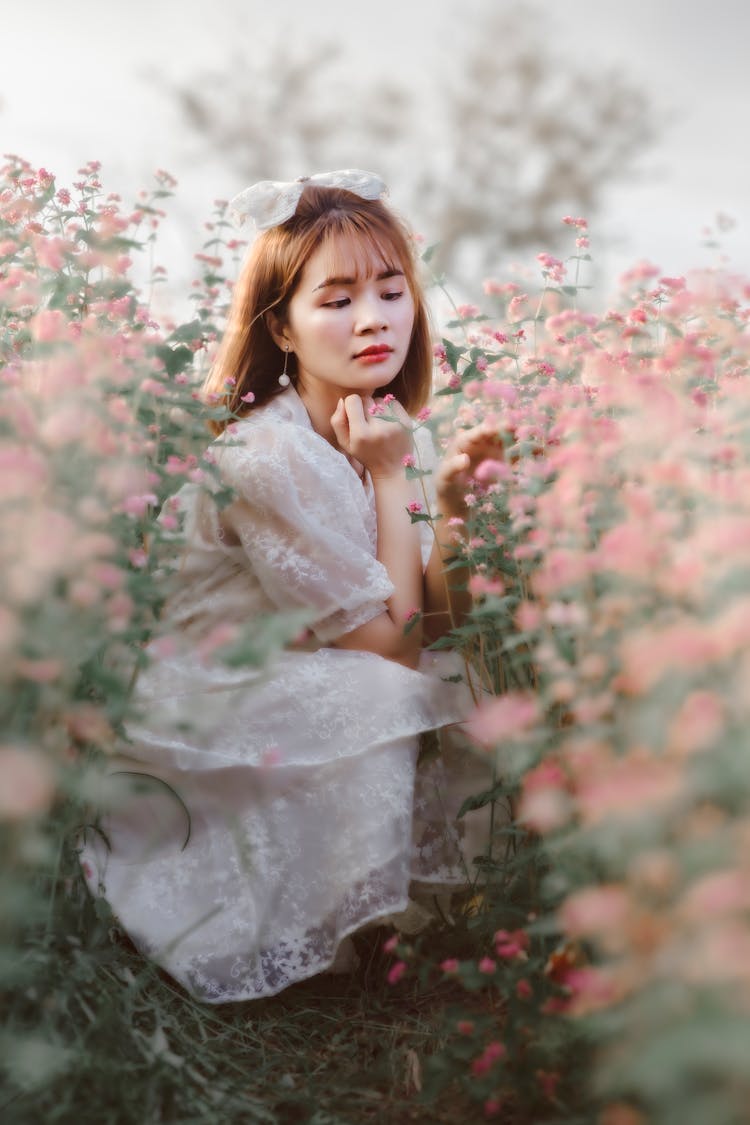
74, 85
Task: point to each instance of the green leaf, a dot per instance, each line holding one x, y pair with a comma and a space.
175, 360
453, 353
184, 333
501, 789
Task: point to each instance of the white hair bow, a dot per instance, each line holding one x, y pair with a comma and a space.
271, 202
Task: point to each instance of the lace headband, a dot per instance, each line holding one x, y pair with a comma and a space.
271, 202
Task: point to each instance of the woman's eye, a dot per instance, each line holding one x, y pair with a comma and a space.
393, 295
337, 304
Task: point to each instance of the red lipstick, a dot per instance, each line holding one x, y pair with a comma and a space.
376, 353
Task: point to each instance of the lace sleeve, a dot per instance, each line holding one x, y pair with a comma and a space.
304, 523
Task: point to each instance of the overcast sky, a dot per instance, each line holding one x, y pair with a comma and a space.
78, 82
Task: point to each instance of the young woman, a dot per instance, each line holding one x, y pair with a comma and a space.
294, 810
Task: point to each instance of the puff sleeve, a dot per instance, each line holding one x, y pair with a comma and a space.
305, 525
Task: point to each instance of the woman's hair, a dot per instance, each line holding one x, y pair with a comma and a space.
248, 360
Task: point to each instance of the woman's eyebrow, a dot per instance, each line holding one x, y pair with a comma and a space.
353, 280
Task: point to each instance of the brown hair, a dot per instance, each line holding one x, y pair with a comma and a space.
248, 360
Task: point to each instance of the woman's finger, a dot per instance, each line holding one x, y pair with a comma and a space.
454, 465
355, 414
340, 423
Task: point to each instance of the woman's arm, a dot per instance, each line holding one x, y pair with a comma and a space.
447, 600
381, 447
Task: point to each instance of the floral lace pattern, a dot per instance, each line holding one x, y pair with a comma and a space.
259, 818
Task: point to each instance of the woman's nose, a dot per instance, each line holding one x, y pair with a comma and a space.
370, 314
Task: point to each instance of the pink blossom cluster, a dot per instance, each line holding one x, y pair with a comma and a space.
98, 426
617, 527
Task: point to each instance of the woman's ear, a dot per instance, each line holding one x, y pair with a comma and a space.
278, 331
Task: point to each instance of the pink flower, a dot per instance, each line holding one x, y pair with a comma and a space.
629, 787
544, 810
490, 470
595, 911
529, 616
389, 946
423, 414
450, 965
409, 461
515, 308
492, 1107
48, 325
480, 586
222, 634
414, 506
719, 893
139, 505
491, 1054
507, 716
465, 1027
523, 989
40, 671
487, 966
249, 397
698, 723
396, 972
581, 224
26, 783
511, 943
553, 267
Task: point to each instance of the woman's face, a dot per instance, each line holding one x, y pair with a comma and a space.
349, 323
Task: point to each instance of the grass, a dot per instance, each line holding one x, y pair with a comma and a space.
98, 1036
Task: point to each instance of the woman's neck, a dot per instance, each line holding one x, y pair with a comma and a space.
320, 409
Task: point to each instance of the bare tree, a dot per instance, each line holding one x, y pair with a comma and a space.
294, 113
527, 139
510, 142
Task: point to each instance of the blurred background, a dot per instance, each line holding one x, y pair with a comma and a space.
490, 120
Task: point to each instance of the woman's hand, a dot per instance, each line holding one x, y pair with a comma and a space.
378, 443
466, 451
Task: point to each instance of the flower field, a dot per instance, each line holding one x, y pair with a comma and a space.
599, 970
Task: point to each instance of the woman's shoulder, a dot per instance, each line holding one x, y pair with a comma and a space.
275, 446
278, 425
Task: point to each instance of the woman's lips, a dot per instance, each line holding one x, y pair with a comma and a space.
374, 354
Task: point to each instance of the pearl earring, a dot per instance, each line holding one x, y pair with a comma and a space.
284, 379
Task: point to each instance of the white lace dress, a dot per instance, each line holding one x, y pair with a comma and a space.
270, 814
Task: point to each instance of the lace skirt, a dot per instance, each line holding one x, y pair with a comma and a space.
258, 819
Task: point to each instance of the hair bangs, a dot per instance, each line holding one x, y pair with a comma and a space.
359, 253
